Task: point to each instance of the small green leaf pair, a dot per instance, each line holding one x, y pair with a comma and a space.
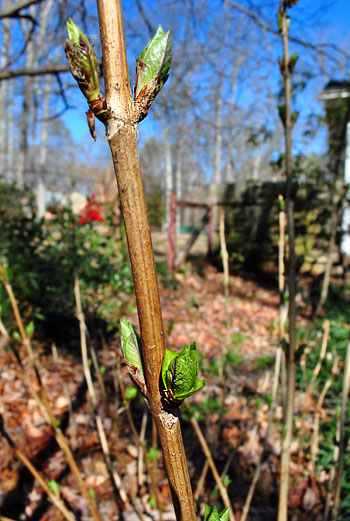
179, 370
282, 111
211, 514
152, 71
180, 373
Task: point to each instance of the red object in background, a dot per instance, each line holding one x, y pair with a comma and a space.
91, 212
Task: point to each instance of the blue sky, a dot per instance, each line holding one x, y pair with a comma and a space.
334, 27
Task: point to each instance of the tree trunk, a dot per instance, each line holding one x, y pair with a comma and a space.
4, 135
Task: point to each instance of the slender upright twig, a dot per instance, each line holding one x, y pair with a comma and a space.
122, 134
54, 498
283, 300
342, 438
115, 478
291, 362
205, 447
43, 401
262, 459
314, 445
310, 388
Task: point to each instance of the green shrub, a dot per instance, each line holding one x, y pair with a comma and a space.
41, 260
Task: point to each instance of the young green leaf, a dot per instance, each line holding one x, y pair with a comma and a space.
292, 61
294, 116
92, 492
179, 374
282, 114
153, 63
130, 393
30, 328
16, 335
152, 453
131, 347
211, 514
54, 486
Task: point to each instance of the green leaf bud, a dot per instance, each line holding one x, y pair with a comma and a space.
294, 116
153, 64
292, 61
279, 19
82, 62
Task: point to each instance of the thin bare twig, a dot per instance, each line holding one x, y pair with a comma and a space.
55, 499
43, 401
116, 480
345, 395
222, 489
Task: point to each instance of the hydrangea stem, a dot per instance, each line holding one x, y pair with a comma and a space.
122, 135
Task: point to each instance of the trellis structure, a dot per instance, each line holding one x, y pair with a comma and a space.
207, 221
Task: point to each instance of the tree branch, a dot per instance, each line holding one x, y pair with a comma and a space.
13, 9
25, 71
319, 48
151, 29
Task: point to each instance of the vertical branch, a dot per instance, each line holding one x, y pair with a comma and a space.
342, 437
291, 363
122, 134
222, 489
171, 254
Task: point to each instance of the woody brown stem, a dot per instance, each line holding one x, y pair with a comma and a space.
122, 135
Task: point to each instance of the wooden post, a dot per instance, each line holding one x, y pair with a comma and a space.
172, 231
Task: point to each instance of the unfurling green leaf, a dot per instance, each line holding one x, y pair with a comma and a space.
83, 65
211, 514
152, 453
279, 19
281, 64
82, 62
294, 116
179, 374
54, 486
130, 393
132, 352
292, 61
30, 328
16, 335
153, 63
282, 114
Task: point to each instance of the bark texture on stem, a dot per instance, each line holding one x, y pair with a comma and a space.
290, 358
122, 135
124, 151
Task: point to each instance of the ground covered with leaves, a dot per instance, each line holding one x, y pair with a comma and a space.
236, 337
